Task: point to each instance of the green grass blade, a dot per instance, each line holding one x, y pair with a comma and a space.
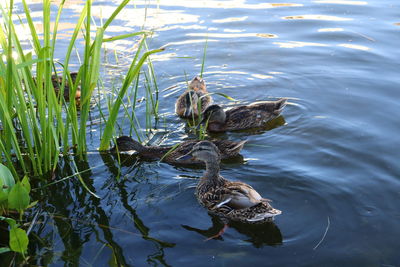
115, 13
92, 77
35, 37
124, 36
204, 58
132, 73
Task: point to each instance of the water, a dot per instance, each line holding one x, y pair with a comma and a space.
331, 164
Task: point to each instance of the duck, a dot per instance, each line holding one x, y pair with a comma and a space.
236, 201
187, 104
170, 154
243, 117
57, 80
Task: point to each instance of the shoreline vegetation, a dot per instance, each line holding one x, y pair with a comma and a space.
38, 125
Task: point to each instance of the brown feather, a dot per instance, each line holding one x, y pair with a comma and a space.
197, 86
228, 149
243, 117
233, 200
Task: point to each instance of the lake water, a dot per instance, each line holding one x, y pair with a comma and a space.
330, 163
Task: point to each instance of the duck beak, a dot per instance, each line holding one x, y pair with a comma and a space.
188, 156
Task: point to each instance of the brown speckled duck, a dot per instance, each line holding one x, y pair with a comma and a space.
227, 149
57, 80
187, 105
235, 201
243, 117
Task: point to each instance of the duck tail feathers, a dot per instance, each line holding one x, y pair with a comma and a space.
279, 106
238, 147
268, 215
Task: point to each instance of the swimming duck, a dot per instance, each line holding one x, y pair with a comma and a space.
242, 117
57, 80
234, 201
187, 104
227, 149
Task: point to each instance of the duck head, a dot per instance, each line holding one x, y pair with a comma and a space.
214, 113
204, 151
198, 84
126, 143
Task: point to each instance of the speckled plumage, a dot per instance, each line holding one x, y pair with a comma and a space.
243, 117
186, 105
57, 80
232, 200
228, 149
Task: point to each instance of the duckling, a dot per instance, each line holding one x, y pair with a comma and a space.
242, 117
234, 201
187, 104
227, 149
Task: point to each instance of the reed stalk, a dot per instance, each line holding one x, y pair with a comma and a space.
36, 123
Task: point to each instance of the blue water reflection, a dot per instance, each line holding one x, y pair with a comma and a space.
331, 166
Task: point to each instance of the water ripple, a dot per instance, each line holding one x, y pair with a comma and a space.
317, 17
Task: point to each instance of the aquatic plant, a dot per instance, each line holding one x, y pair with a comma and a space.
14, 196
37, 123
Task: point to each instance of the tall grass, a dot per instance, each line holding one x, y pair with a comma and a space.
37, 123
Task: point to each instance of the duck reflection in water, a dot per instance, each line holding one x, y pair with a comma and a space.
266, 233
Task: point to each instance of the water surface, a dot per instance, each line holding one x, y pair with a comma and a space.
330, 163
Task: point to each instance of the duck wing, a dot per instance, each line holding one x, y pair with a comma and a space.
177, 151
254, 115
180, 104
186, 104
186, 146
239, 118
238, 195
154, 152
272, 107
